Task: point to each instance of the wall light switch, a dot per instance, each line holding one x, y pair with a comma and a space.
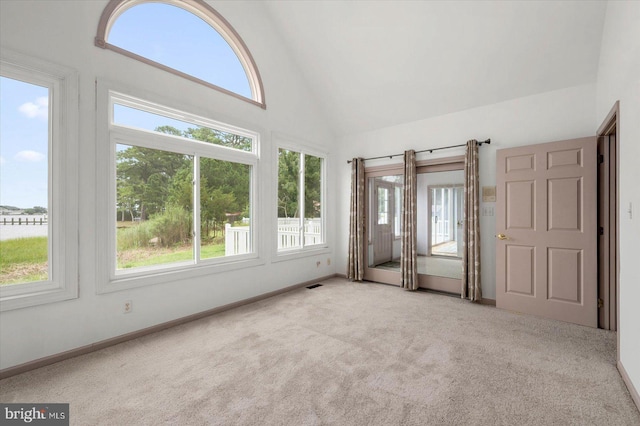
487, 211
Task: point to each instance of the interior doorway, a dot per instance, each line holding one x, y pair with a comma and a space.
608, 161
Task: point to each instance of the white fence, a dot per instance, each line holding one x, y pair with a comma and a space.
238, 238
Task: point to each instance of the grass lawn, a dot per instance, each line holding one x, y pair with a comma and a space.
23, 260
134, 258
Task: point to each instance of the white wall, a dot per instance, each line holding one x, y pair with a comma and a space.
547, 117
63, 32
619, 79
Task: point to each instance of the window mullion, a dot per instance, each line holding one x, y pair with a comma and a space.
196, 208
301, 208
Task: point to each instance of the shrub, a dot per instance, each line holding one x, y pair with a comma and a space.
172, 227
137, 236
166, 229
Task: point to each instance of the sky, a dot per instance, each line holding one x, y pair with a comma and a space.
181, 40
23, 143
163, 33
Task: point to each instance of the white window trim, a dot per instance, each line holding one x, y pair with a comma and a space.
108, 278
298, 145
63, 181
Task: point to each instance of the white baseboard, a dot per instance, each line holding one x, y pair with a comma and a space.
627, 381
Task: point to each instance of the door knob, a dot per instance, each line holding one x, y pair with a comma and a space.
502, 237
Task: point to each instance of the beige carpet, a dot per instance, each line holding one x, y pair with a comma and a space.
346, 354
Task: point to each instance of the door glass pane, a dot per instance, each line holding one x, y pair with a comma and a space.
440, 220
385, 193
383, 205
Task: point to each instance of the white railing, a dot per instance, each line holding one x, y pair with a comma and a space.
238, 238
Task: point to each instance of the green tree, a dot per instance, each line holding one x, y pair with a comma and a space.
150, 181
312, 186
146, 173
288, 183
218, 137
181, 189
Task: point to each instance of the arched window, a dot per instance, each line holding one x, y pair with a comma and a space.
184, 37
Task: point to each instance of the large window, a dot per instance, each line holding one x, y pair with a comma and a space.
38, 240
183, 188
187, 38
24, 146
300, 200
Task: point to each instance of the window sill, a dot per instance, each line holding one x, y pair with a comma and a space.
177, 273
293, 254
35, 298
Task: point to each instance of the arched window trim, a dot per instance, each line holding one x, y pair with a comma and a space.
199, 8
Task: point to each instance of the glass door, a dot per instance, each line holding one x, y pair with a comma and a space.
440, 211
440, 237
384, 201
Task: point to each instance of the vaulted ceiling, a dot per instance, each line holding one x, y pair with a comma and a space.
374, 64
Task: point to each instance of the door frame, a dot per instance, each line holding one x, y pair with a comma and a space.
608, 243
373, 273
375, 217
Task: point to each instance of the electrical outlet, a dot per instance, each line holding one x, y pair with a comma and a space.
318, 264
328, 261
127, 307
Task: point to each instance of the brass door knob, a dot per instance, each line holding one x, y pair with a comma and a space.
502, 237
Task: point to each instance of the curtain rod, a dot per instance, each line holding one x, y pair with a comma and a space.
488, 141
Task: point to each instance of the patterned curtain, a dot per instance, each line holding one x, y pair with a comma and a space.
471, 258
355, 265
409, 252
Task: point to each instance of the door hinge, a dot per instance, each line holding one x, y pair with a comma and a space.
600, 158
600, 230
600, 303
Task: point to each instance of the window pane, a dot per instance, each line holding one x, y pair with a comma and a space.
24, 182
140, 119
288, 195
383, 206
154, 207
225, 193
312, 200
180, 40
